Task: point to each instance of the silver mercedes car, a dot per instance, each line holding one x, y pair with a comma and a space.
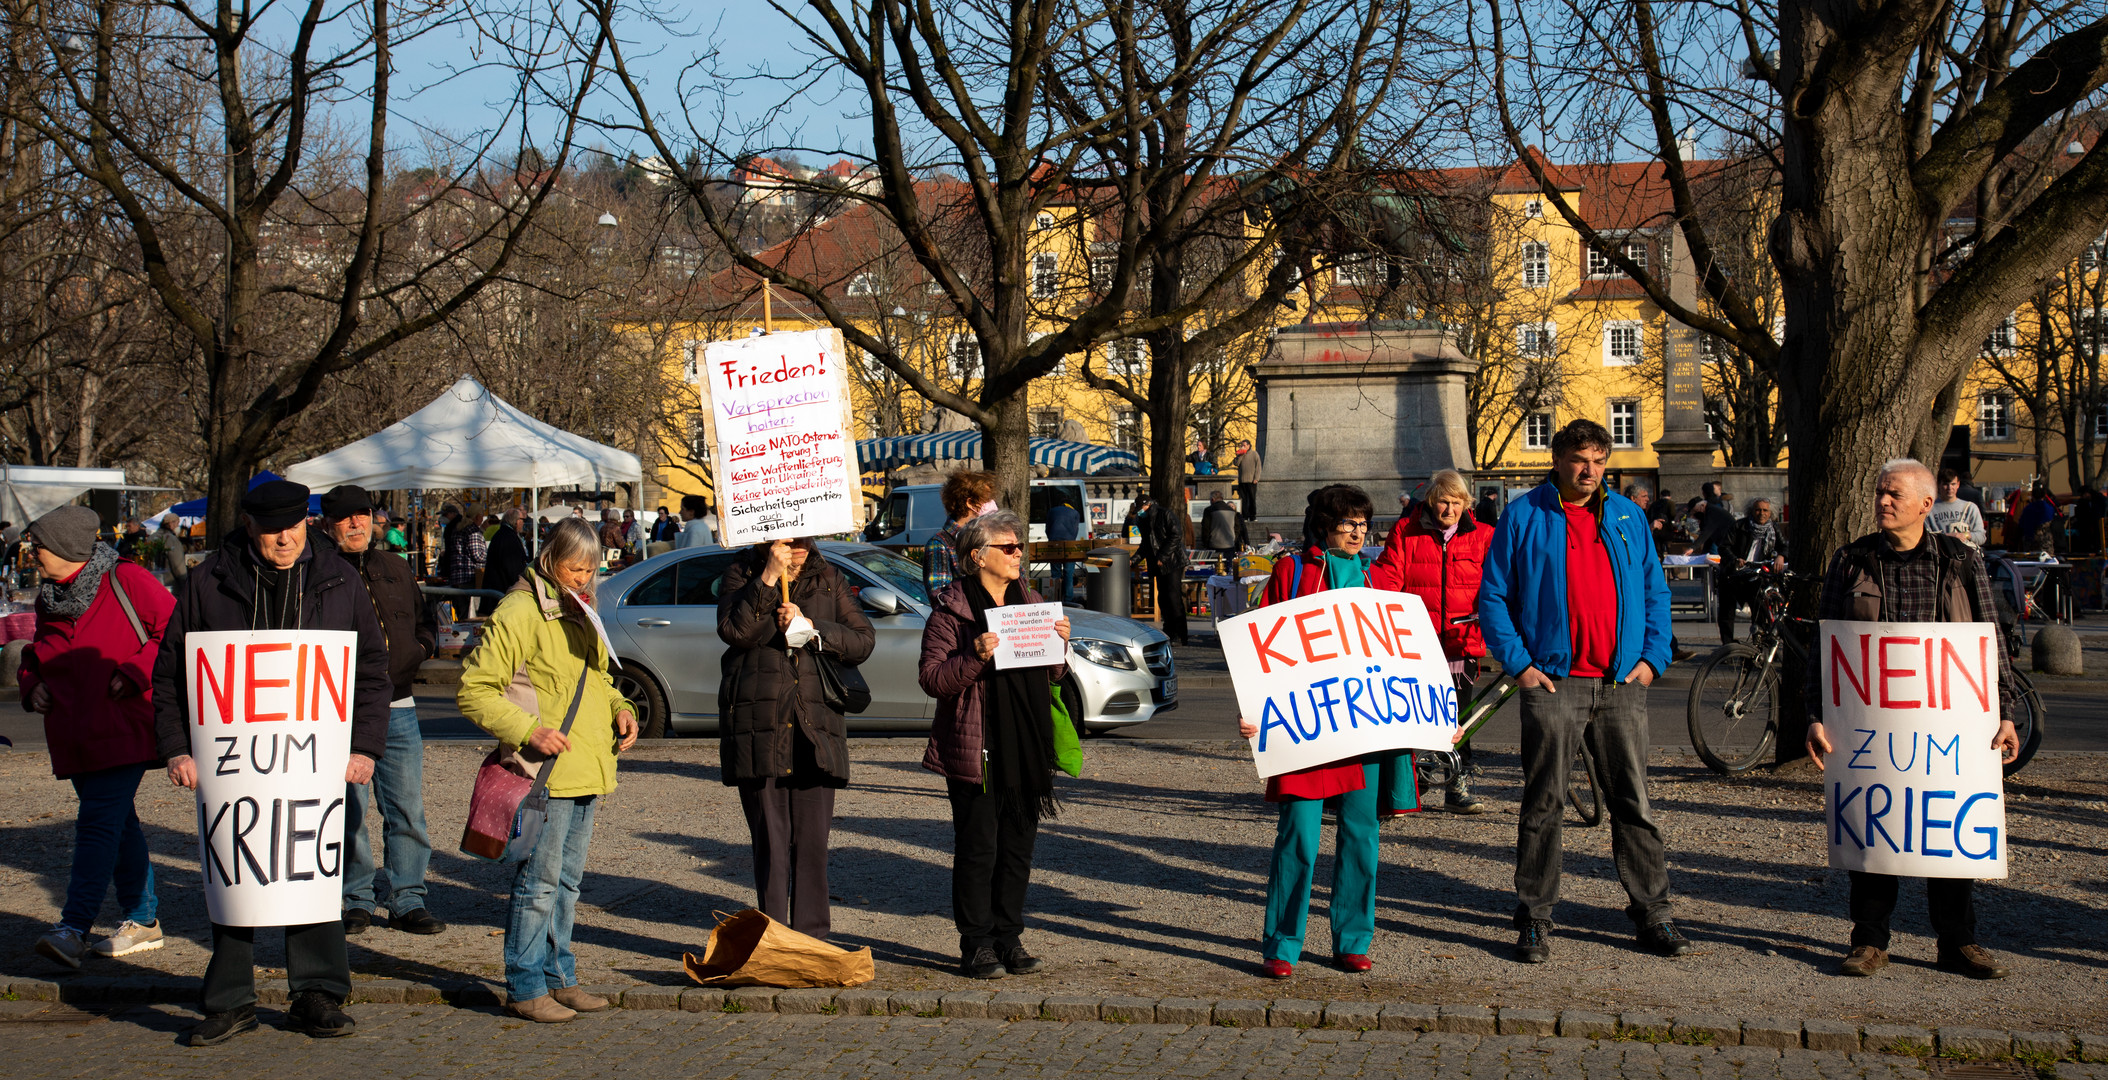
661, 618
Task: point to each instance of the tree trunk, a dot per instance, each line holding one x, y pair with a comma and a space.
1171, 402
1006, 451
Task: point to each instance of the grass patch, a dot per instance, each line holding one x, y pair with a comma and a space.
830, 1008
1908, 1048
1654, 1035
733, 1005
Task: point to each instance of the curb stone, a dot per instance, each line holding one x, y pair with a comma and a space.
1387, 1019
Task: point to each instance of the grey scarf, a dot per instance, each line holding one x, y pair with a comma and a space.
71, 600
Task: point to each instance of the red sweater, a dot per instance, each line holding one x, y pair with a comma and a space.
1591, 594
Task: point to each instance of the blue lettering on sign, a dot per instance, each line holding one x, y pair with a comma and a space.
1873, 817
1324, 704
1926, 822
1402, 700
1839, 828
1905, 767
1270, 718
1991, 831
1357, 689
1954, 745
1862, 751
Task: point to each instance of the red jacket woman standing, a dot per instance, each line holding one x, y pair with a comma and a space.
1437, 552
90, 672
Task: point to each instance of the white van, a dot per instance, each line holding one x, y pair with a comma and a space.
913, 514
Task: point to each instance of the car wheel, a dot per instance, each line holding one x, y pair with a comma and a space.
654, 719
1072, 696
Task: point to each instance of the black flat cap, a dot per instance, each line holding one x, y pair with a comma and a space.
276, 505
345, 500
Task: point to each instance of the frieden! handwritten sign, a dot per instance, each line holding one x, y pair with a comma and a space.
270, 731
779, 426
1335, 675
1913, 786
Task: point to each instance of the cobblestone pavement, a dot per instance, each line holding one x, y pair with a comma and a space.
405, 1042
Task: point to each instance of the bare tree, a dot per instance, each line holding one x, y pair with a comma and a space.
1884, 125
2047, 358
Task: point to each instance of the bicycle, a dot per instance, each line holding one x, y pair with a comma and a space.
1734, 709
1435, 767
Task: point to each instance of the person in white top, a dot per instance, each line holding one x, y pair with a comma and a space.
1955, 515
696, 530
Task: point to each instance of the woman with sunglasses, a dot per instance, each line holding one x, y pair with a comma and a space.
993, 742
1335, 529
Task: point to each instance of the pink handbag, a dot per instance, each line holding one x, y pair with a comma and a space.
506, 810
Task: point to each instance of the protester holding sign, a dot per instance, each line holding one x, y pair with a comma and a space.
547, 630
1907, 574
1575, 607
780, 606
993, 742
89, 671
272, 575
412, 633
1335, 528
1437, 552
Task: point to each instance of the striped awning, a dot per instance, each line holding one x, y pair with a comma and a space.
877, 455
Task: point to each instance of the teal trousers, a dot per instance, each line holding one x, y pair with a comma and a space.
1396, 787
1289, 884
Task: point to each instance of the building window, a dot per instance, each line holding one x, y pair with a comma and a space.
863, 285
1127, 430
1295, 272
1124, 358
1624, 424
1600, 266
1043, 220
963, 357
1105, 260
2004, 337
698, 439
692, 360
2091, 259
1621, 344
1046, 275
1994, 417
1533, 208
1537, 431
1361, 270
1046, 423
1710, 348
2100, 421
1536, 339
1536, 264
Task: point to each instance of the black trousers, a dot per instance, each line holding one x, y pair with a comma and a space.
789, 818
991, 865
1248, 495
314, 960
1951, 903
1731, 595
1171, 601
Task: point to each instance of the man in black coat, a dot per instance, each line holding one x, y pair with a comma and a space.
508, 553
398, 778
272, 575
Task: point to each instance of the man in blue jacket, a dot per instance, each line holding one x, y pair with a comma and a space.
1573, 604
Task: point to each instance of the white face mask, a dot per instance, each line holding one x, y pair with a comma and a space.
987, 508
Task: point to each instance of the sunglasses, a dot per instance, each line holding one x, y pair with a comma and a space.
1007, 549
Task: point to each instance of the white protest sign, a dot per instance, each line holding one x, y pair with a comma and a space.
270, 731
1915, 788
781, 437
1025, 635
1335, 675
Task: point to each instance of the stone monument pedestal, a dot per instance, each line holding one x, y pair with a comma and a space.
1379, 405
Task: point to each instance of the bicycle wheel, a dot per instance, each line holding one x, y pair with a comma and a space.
1734, 709
1582, 789
2028, 723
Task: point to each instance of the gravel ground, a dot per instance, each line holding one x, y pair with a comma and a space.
1152, 882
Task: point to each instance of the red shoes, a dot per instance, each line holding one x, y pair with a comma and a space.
1278, 969
1354, 962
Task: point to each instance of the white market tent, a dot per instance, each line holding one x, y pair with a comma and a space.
469, 437
28, 492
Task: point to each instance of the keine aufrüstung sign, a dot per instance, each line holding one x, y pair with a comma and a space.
270, 731
1912, 785
1338, 674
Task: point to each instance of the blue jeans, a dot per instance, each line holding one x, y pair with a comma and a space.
544, 900
109, 845
406, 849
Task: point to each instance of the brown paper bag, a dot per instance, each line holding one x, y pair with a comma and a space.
751, 949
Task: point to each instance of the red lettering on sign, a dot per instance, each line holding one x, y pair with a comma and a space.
1265, 648
1398, 633
1841, 662
1888, 673
1362, 626
1308, 635
251, 683
339, 685
222, 693
1951, 661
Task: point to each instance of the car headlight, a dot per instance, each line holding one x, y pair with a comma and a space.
1103, 653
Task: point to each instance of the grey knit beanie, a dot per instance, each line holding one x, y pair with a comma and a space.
67, 532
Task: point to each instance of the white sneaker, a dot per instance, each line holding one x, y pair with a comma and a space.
62, 946
130, 938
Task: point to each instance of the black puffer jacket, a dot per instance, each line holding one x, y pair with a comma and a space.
407, 621
220, 594
770, 689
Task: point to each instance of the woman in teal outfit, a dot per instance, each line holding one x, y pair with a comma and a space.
1335, 529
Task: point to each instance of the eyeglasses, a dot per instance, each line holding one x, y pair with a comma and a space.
1354, 526
1007, 549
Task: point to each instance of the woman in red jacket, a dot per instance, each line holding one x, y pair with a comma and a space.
1437, 552
1335, 528
90, 672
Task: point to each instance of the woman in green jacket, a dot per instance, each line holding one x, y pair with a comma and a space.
543, 640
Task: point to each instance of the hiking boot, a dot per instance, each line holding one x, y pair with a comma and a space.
1974, 961
415, 921
1862, 961
356, 921
576, 999
1533, 944
130, 938
1017, 961
1458, 799
319, 1015
983, 964
63, 946
219, 1027
1664, 939
542, 1010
